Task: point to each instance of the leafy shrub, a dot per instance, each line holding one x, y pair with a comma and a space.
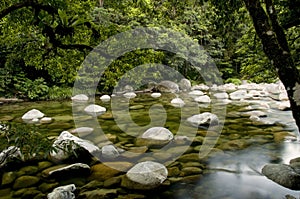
32, 89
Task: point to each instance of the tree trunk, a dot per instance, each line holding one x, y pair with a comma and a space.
276, 48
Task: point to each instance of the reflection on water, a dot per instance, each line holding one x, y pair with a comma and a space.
238, 175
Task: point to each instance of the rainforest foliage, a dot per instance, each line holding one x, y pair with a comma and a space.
44, 42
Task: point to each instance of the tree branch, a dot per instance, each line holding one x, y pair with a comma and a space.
27, 3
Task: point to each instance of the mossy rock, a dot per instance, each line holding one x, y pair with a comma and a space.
92, 185
99, 193
5, 193
112, 182
25, 181
8, 178
26, 193
28, 170
191, 157
106, 171
187, 171
6, 118
78, 182
44, 165
46, 187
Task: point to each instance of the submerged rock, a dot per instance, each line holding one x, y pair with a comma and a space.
63, 192
145, 175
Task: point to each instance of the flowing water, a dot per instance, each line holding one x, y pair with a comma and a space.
242, 149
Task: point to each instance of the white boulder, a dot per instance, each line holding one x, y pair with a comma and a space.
33, 114
129, 95
149, 174
158, 133
177, 102
203, 120
196, 93
80, 98
63, 142
202, 99
238, 95
155, 95
63, 192
221, 95
105, 98
109, 152
95, 110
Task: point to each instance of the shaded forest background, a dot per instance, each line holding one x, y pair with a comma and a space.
44, 42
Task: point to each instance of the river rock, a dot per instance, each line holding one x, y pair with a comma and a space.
46, 120
25, 181
185, 84
99, 193
203, 120
109, 152
102, 172
238, 95
155, 95
202, 99
9, 153
77, 169
8, 178
155, 136
230, 87
63, 192
95, 110
177, 102
129, 95
282, 174
145, 175
80, 98
64, 140
105, 98
167, 87
33, 114
221, 95
201, 87
283, 106
83, 131
254, 113
195, 93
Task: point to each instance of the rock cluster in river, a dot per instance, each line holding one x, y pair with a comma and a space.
91, 178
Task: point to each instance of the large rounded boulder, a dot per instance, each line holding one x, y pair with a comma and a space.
145, 175
155, 137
